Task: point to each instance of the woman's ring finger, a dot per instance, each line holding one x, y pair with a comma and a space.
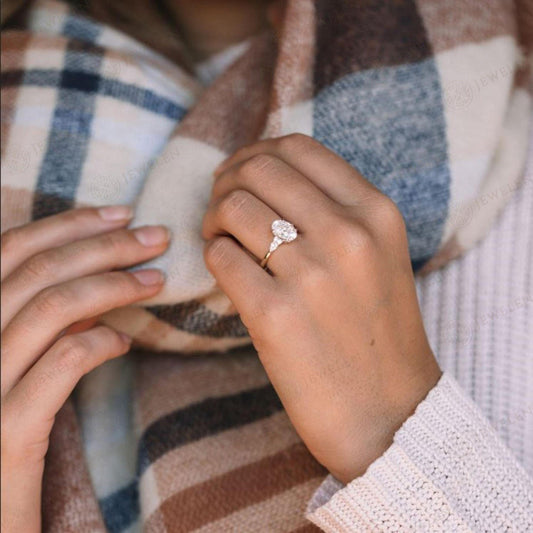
256, 226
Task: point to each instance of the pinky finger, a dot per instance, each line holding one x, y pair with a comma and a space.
44, 389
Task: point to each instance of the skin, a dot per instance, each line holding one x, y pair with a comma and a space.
209, 26
58, 275
335, 319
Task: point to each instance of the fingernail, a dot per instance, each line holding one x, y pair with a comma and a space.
115, 212
149, 277
124, 337
151, 235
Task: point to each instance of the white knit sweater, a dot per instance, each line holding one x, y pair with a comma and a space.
456, 465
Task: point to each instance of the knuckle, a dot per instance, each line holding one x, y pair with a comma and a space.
126, 284
312, 276
39, 266
389, 216
274, 314
43, 380
109, 336
295, 142
216, 253
233, 204
53, 300
350, 238
72, 352
257, 165
114, 242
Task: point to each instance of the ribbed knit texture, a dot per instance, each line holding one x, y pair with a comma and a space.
427, 99
455, 465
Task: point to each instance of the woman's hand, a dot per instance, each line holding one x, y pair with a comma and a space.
59, 274
336, 322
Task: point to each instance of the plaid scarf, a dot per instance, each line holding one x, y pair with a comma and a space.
428, 99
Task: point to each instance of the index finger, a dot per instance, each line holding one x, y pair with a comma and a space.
327, 170
22, 242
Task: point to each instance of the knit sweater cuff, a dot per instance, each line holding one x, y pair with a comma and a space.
447, 470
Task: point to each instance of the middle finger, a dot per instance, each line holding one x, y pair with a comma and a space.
108, 251
40, 321
280, 186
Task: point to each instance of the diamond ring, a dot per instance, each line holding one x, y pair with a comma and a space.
283, 231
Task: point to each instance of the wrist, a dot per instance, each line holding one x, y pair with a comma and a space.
377, 436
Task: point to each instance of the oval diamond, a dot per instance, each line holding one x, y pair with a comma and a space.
284, 230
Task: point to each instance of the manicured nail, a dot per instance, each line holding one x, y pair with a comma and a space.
149, 277
151, 235
124, 337
114, 213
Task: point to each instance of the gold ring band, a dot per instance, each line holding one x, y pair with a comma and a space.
265, 259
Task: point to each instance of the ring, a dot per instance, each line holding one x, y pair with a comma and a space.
283, 231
